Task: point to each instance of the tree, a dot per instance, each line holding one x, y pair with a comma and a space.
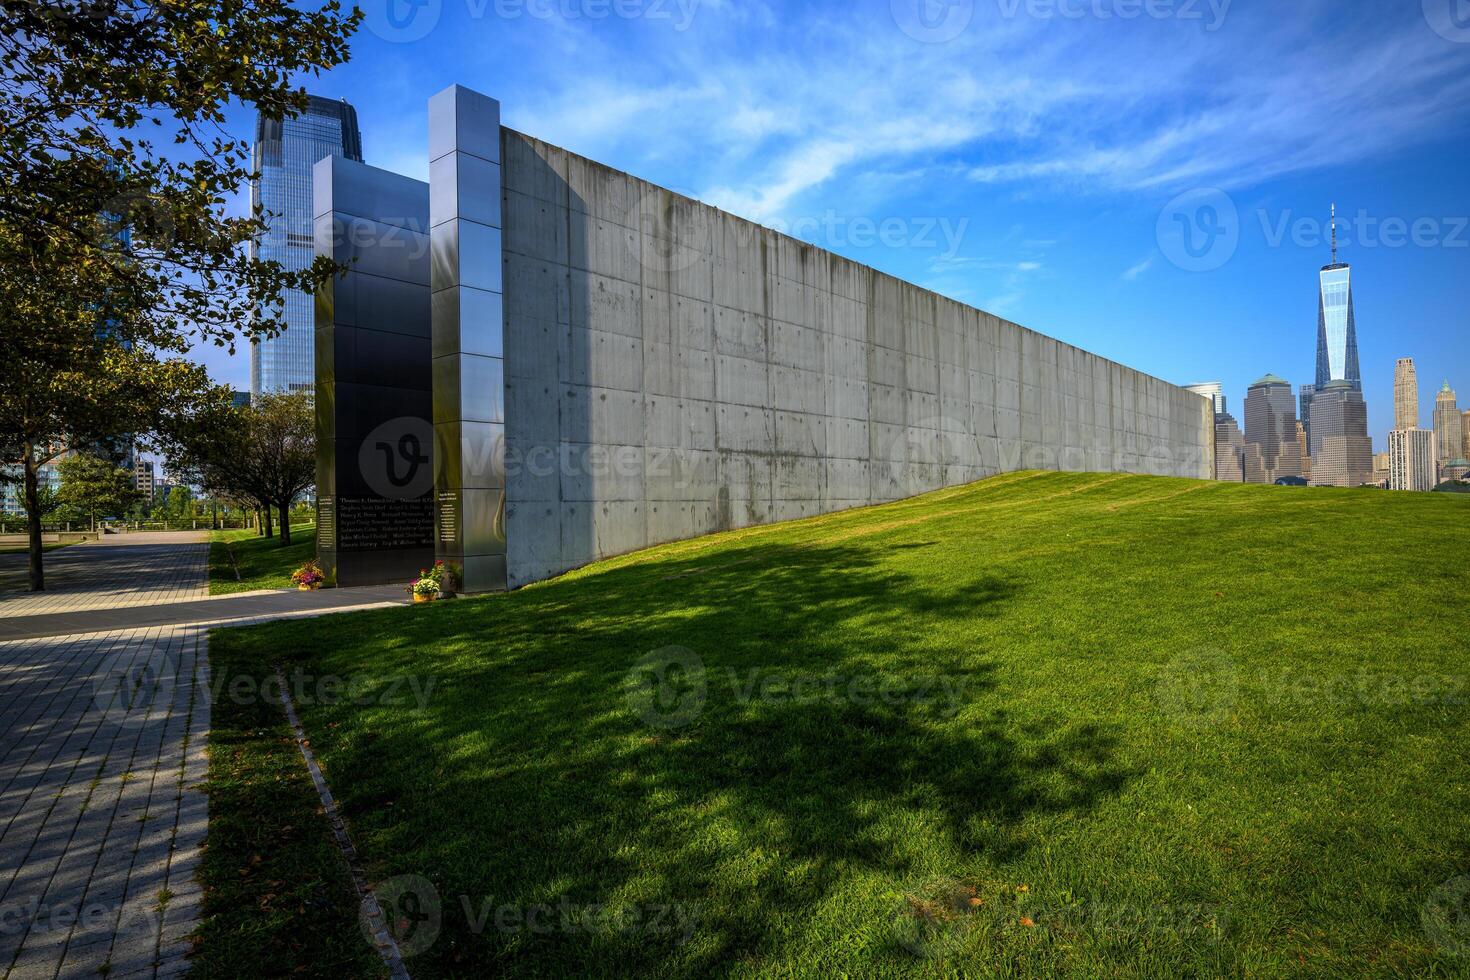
95, 486
265, 452
116, 250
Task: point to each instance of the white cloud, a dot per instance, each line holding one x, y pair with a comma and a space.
1133, 272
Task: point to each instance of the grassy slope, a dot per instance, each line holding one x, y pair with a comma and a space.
263, 563
1144, 764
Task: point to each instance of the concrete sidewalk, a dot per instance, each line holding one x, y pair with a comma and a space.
209, 611
104, 713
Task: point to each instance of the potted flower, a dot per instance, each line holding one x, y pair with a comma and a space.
427, 586
309, 577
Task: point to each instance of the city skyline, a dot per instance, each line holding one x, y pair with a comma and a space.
1065, 241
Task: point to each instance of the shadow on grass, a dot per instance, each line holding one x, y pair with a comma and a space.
799, 732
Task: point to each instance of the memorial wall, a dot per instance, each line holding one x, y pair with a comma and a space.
616, 366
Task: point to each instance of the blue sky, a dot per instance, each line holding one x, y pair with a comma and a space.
1041, 159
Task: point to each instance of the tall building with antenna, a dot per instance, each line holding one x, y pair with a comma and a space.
1337, 329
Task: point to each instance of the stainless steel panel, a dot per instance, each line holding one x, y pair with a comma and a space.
444, 248
481, 264
481, 322
464, 120
476, 189
481, 454
469, 320
446, 389
483, 514
485, 573
481, 388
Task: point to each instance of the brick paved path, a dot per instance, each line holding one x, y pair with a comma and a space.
101, 820
103, 739
119, 571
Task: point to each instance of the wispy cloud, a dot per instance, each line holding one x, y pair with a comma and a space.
1134, 271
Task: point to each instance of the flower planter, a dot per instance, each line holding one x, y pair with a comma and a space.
308, 588
419, 597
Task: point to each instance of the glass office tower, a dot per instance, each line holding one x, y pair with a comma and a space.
1337, 329
286, 150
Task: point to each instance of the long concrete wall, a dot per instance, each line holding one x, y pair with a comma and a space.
672, 370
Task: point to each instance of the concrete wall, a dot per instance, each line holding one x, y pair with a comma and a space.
672, 370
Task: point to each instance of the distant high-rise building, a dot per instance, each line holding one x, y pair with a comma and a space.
1411, 462
1380, 470
1229, 449
143, 477
1342, 452
1214, 391
286, 150
1304, 446
1449, 434
1337, 329
1271, 447
1405, 395
1465, 433
1304, 412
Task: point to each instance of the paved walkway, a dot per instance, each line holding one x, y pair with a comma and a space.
104, 718
119, 571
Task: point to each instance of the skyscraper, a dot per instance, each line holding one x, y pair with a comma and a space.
1271, 448
1304, 410
1342, 452
1337, 331
1214, 391
1449, 435
1465, 433
285, 152
1411, 460
1405, 395
1229, 450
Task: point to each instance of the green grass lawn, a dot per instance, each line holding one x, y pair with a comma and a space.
21, 549
1044, 725
261, 563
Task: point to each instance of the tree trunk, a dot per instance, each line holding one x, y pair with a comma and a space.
265, 523
285, 525
33, 520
